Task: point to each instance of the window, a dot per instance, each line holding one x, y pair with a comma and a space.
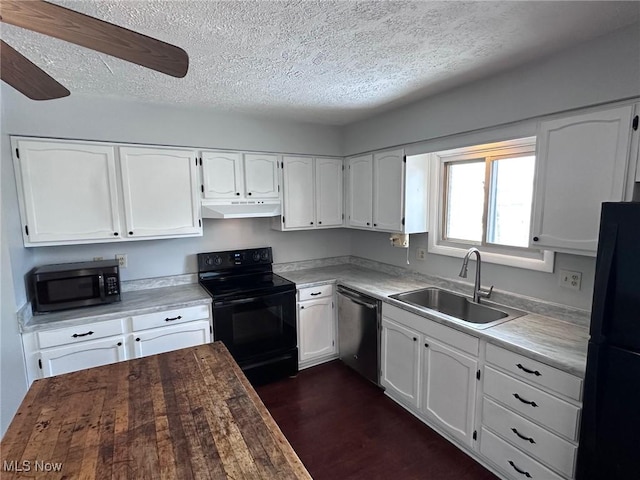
482, 197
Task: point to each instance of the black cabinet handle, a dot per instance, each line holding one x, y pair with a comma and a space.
237, 193
76, 335
138, 339
315, 294
368, 223
533, 404
534, 372
130, 233
172, 319
528, 439
301, 307
319, 223
426, 345
115, 234
521, 472
375, 224
311, 223
535, 239
119, 344
415, 339
249, 193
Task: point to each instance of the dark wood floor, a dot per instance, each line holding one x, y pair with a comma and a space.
343, 427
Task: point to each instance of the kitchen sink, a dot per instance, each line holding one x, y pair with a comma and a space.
459, 307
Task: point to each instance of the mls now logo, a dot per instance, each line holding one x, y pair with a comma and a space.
28, 466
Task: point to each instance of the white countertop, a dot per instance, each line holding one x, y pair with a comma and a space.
555, 342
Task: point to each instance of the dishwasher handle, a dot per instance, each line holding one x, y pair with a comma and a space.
357, 299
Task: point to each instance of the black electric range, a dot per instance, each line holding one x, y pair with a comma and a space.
254, 311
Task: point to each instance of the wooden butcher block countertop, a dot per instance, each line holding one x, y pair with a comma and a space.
186, 414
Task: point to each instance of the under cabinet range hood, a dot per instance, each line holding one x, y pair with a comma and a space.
241, 209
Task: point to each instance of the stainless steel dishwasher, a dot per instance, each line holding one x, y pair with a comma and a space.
359, 333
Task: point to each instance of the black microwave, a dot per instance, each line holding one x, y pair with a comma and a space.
72, 285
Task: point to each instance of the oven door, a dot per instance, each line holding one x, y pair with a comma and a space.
256, 327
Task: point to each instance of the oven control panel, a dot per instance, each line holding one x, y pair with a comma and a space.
234, 258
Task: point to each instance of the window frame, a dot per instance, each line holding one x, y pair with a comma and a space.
520, 257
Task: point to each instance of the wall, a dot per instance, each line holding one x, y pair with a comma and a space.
498, 108
13, 379
601, 70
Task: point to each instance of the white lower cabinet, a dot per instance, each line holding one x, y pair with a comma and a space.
429, 368
449, 389
166, 339
316, 325
530, 417
400, 362
92, 344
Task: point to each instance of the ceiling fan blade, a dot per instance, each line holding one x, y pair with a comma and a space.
89, 32
26, 77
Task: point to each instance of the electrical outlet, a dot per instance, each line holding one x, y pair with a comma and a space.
421, 253
122, 259
570, 279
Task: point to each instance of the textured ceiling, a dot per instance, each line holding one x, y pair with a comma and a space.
321, 61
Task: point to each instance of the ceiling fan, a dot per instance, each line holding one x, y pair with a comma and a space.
83, 30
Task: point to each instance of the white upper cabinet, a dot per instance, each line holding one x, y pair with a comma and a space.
387, 192
582, 161
312, 193
160, 192
73, 192
222, 175
329, 204
298, 192
261, 176
67, 191
360, 191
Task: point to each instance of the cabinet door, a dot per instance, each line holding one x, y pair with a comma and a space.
400, 361
67, 190
316, 329
582, 162
160, 192
329, 204
388, 191
166, 339
261, 176
449, 389
222, 175
360, 191
298, 192
56, 361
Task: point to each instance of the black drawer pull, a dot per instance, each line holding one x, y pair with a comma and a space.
528, 439
315, 294
521, 472
533, 404
172, 319
119, 344
76, 335
534, 372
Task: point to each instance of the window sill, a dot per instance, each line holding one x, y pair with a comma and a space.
542, 264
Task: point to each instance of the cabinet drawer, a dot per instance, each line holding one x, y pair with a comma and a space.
169, 317
538, 442
549, 411
512, 461
79, 333
535, 372
318, 291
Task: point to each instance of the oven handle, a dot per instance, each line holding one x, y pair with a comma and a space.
241, 301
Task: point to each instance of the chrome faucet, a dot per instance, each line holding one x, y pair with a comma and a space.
478, 291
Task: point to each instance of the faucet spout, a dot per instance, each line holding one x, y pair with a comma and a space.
478, 291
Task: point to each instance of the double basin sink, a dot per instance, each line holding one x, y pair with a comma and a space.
458, 307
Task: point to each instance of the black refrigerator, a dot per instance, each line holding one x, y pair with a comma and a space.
610, 430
